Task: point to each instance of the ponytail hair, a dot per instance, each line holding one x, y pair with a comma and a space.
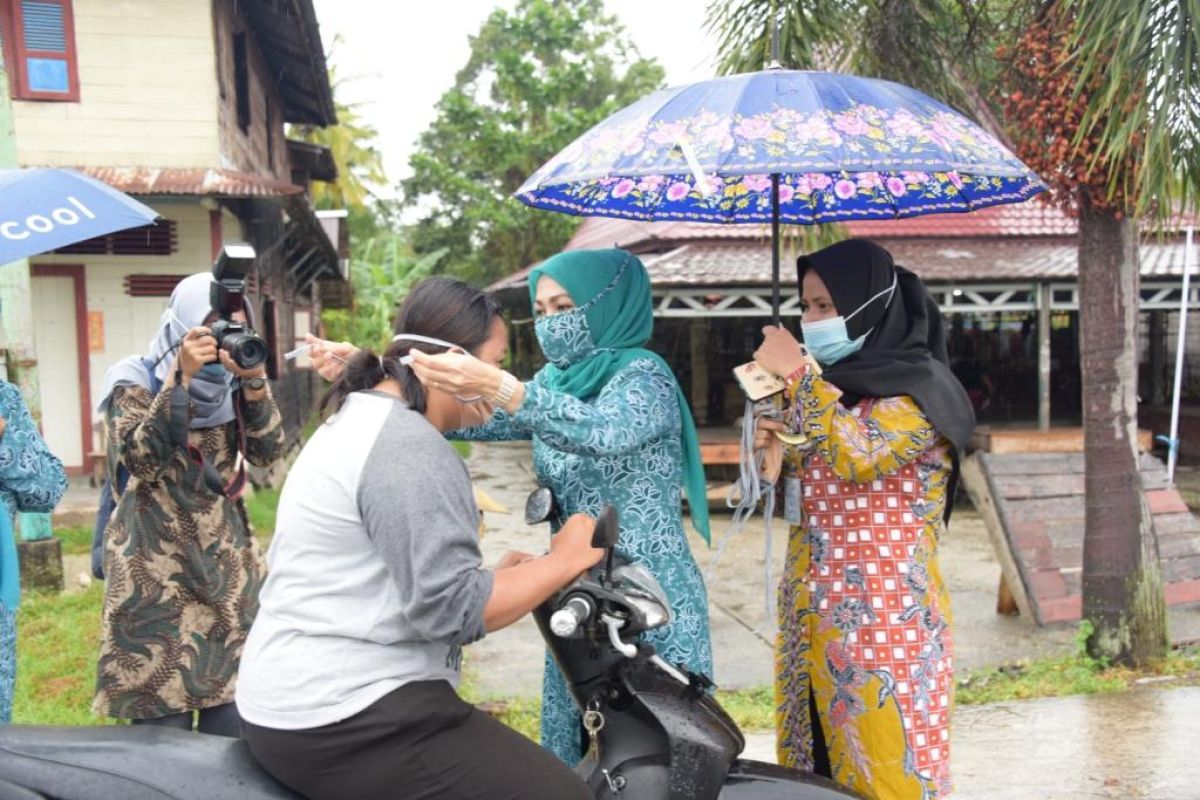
437, 307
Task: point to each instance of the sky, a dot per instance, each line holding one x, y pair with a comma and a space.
396, 58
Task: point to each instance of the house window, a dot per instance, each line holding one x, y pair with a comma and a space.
241, 80
157, 239
151, 285
38, 39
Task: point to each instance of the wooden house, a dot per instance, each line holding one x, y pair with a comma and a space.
183, 104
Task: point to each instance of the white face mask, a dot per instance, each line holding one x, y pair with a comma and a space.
478, 407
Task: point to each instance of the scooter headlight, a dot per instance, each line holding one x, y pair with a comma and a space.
644, 594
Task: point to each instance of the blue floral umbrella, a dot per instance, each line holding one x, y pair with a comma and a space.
781, 146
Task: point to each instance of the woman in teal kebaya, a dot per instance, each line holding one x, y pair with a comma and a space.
609, 424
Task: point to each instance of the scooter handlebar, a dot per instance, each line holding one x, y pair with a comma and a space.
565, 621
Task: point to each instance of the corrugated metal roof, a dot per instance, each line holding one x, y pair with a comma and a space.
975, 260
1014, 220
207, 182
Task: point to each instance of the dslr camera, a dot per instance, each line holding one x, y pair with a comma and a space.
227, 297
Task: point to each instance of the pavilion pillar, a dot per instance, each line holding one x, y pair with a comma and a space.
1043, 329
698, 330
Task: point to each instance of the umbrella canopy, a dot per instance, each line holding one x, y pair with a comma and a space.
841, 147
44, 209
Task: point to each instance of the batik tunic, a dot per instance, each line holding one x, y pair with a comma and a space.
864, 615
31, 479
183, 571
620, 447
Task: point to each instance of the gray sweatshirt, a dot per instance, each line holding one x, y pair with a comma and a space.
374, 575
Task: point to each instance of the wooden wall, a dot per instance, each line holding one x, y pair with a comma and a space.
131, 110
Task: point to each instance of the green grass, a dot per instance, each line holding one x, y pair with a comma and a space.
58, 643
76, 541
1058, 677
261, 506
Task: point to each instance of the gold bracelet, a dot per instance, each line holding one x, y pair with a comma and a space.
508, 388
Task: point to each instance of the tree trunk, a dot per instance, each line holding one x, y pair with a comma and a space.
1122, 585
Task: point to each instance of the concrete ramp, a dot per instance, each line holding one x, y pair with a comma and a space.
1033, 506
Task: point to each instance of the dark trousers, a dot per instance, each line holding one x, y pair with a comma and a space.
420, 742
218, 721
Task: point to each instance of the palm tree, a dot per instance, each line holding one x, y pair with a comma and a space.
1144, 58
960, 51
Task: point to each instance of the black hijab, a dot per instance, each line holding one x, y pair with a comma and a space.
905, 349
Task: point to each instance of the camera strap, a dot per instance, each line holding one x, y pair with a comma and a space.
179, 426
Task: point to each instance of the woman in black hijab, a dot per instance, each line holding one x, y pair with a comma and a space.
864, 671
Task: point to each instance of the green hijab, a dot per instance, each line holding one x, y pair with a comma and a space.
612, 293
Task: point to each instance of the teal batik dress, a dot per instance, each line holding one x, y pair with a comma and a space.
620, 446
31, 479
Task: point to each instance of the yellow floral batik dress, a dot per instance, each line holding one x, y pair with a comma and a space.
864, 616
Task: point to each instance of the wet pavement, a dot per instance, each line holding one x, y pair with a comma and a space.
509, 662
1140, 744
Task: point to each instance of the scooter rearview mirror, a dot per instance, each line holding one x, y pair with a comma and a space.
607, 528
540, 506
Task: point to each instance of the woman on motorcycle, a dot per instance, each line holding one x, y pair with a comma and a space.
864, 674
375, 583
609, 424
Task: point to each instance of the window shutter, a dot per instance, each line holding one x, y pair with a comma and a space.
157, 239
43, 46
151, 285
158, 285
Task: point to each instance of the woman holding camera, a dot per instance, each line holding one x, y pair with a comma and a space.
183, 570
864, 670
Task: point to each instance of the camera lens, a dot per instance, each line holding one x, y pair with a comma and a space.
247, 349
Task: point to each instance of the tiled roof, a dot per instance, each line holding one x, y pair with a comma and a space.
209, 182
977, 260
1023, 220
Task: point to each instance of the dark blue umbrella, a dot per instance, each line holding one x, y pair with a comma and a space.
781, 146
44, 209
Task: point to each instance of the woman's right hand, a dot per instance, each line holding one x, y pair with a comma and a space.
329, 358
573, 544
764, 432
199, 347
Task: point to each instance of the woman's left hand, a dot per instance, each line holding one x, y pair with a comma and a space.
457, 373
779, 353
228, 363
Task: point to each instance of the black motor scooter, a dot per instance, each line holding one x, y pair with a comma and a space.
654, 730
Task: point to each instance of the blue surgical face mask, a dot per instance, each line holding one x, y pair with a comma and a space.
830, 342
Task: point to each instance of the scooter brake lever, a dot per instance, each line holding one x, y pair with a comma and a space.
614, 625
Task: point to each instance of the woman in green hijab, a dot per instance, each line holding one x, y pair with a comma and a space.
609, 424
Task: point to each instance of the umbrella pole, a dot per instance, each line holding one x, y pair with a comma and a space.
775, 280
1173, 442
